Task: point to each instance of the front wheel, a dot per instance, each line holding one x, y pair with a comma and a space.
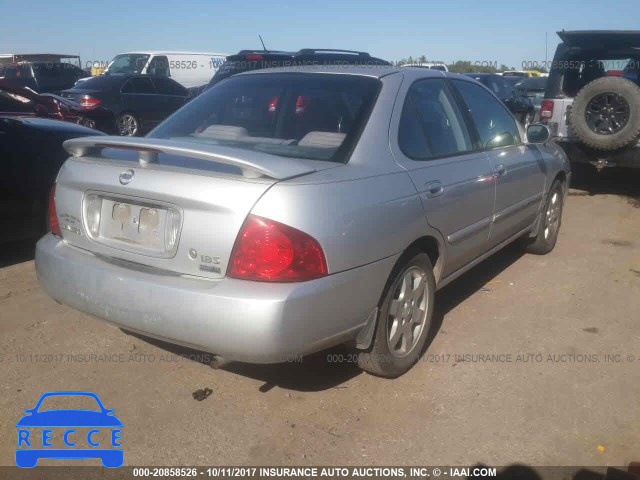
127, 125
404, 321
549, 223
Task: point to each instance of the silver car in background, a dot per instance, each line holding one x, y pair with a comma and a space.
285, 211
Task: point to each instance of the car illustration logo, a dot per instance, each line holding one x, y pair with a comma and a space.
69, 433
126, 176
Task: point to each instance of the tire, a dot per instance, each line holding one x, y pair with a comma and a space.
403, 328
127, 125
549, 223
605, 115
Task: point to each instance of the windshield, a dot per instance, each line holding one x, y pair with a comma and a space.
128, 63
312, 116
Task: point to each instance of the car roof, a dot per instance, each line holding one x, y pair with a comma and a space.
481, 74
169, 52
601, 39
375, 71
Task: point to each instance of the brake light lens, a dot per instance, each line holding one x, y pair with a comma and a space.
54, 226
273, 104
269, 251
89, 103
301, 104
254, 57
546, 109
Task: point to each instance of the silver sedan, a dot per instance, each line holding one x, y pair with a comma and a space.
288, 210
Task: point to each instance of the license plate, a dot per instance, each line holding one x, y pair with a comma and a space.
133, 224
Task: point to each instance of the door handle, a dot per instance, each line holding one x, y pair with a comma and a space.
500, 170
434, 189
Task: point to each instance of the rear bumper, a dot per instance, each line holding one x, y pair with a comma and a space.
577, 153
239, 320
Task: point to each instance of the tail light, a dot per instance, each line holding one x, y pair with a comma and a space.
54, 226
270, 251
273, 104
89, 103
301, 104
546, 109
615, 73
253, 57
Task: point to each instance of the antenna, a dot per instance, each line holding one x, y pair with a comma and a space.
265, 48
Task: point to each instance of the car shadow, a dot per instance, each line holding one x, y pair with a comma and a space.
334, 367
16, 252
526, 472
587, 180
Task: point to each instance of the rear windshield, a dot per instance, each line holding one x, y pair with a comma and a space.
128, 63
101, 82
576, 70
311, 116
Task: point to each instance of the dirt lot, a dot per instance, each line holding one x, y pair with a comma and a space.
549, 396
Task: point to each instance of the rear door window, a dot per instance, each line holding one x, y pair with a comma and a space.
139, 85
166, 86
431, 124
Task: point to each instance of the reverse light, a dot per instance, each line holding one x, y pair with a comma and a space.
546, 109
93, 209
172, 228
54, 226
269, 251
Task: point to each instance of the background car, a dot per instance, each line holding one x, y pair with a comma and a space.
190, 69
32, 154
533, 88
42, 77
593, 96
137, 103
521, 106
247, 60
24, 102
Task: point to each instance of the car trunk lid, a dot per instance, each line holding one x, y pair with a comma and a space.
176, 207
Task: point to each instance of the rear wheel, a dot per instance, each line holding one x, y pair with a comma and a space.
404, 321
549, 223
127, 125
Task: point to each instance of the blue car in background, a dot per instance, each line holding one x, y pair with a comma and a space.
31, 448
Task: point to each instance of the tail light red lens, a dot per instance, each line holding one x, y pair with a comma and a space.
54, 226
273, 104
301, 104
253, 57
89, 103
269, 251
546, 109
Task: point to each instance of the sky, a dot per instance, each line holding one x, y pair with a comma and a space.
507, 32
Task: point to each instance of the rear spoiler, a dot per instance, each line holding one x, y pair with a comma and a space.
253, 164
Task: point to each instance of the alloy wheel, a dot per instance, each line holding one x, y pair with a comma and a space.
407, 312
607, 113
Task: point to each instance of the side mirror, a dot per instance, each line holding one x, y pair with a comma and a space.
538, 133
502, 140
